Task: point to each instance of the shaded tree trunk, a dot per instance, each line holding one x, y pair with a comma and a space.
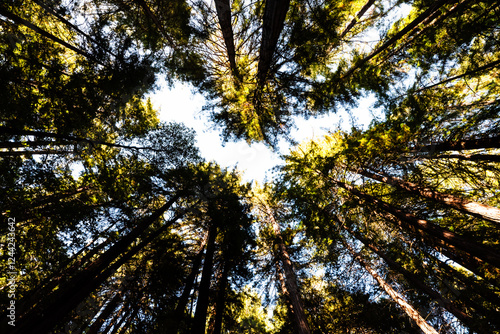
398, 298
122, 316
46, 34
458, 145
415, 281
463, 75
74, 139
200, 315
290, 279
273, 22
355, 20
445, 238
475, 209
190, 280
466, 157
153, 17
43, 316
105, 313
223, 8
221, 300
72, 26
126, 327
408, 28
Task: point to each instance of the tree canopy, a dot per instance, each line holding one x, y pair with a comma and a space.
113, 222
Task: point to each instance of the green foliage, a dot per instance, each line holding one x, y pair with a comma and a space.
93, 178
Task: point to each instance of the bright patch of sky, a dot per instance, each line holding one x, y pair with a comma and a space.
255, 161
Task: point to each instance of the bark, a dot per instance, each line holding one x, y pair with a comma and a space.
355, 20
398, 298
72, 26
124, 316
445, 238
57, 305
458, 145
463, 75
29, 153
433, 20
414, 280
11, 144
200, 314
46, 34
73, 139
290, 278
223, 8
153, 17
190, 280
273, 22
466, 157
422, 18
475, 209
105, 313
126, 327
221, 300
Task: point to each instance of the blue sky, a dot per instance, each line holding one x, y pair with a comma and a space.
180, 104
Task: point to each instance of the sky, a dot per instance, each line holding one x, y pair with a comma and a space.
255, 162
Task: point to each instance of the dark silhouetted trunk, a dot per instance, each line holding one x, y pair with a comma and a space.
458, 145
466, 157
72, 26
153, 17
223, 8
475, 209
463, 75
43, 316
200, 315
189, 284
396, 297
355, 20
220, 303
407, 29
46, 34
414, 280
273, 22
105, 313
290, 279
432, 232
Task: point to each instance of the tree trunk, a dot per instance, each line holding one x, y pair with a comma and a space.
458, 145
444, 237
399, 299
18, 144
122, 315
56, 305
153, 17
72, 26
414, 280
190, 280
223, 8
73, 139
415, 23
272, 25
475, 209
357, 18
126, 327
105, 313
221, 299
471, 72
433, 20
46, 34
200, 315
297, 310
466, 157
